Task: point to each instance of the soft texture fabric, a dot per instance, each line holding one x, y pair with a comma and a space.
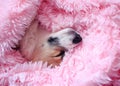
95, 62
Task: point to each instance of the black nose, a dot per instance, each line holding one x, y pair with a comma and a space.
77, 39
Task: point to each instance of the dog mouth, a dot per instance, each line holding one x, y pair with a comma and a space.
61, 54
61, 51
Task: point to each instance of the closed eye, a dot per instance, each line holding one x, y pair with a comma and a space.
53, 40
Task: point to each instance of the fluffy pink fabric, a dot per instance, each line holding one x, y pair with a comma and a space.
96, 62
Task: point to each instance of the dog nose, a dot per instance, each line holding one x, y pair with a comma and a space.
77, 38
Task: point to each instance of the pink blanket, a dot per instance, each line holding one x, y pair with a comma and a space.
94, 63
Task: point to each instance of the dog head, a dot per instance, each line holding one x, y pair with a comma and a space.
57, 43
40, 45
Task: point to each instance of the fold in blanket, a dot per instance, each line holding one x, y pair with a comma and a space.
94, 63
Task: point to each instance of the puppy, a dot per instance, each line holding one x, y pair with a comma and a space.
41, 45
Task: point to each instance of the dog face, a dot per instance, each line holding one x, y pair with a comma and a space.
66, 39
57, 43
40, 45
